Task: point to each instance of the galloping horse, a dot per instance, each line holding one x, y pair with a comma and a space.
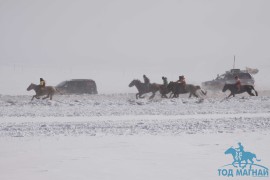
234, 89
47, 90
143, 89
177, 89
164, 91
245, 156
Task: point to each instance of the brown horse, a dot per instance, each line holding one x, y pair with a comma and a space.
143, 89
243, 88
47, 90
177, 89
164, 91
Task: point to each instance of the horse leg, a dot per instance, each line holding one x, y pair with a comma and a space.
252, 162
204, 92
250, 93
256, 93
140, 96
194, 94
230, 95
234, 163
35, 96
163, 95
240, 164
46, 96
152, 96
245, 164
252, 88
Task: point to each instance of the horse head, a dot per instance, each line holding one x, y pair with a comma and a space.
231, 150
225, 88
134, 82
30, 87
170, 85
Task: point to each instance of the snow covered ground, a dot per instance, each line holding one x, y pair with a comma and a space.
115, 136
126, 104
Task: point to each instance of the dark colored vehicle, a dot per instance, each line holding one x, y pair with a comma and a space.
78, 86
228, 78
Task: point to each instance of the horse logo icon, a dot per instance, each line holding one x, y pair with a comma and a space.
239, 155
241, 159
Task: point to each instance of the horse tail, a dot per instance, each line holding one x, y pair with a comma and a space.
204, 92
256, 158
58, 91
254, 90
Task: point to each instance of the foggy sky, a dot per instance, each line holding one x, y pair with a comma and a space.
117, 40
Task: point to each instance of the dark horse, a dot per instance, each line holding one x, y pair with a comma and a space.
234, 89
143, 89
177, 89
163, 89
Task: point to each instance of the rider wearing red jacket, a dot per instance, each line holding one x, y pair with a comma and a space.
237, 83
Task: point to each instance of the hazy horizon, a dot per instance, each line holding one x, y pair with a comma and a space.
114, 42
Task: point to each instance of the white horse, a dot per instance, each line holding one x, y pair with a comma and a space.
42, 91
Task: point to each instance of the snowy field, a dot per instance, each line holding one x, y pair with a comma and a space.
115, 136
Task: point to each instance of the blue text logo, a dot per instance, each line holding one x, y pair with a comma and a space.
244, 164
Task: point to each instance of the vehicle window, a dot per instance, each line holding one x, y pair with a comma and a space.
221, 77
229, 77
244, 76
80, 84
90, 83
73, 84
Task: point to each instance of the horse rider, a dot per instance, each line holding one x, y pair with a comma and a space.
42, 83
146, 81
182, 81
165, 81
240, 149
237, 83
